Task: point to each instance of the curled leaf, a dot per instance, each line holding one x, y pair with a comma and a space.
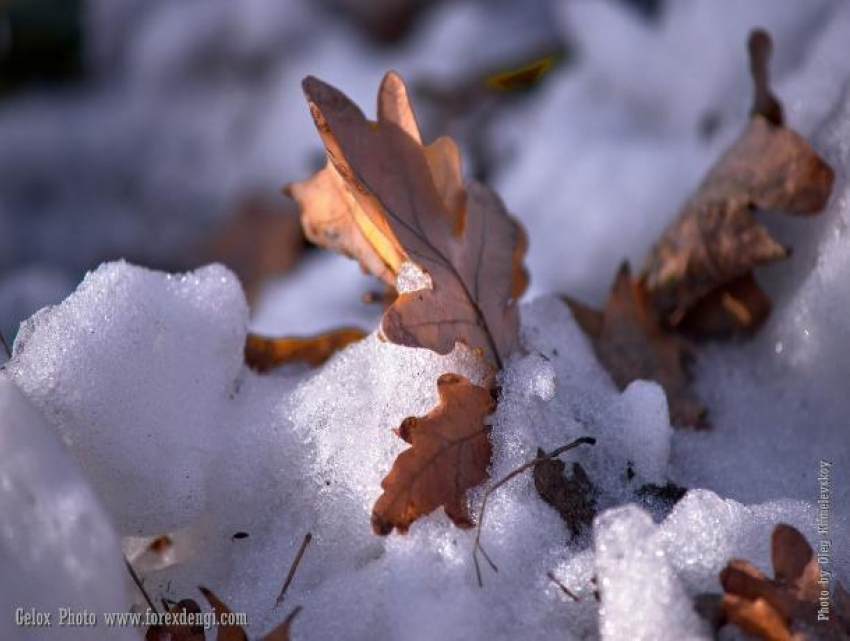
332, 218
449, 454
771, 609
263, 353
716, 239
413, 200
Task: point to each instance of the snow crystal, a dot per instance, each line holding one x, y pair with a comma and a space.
411, 278
57, 546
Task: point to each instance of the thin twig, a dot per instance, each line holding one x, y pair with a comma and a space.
563, 587
6, 347
477, 547
307, 538
139, 585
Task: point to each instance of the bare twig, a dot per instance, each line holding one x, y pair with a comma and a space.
6, 347
477, 547
140, 585
307, 538
563, 587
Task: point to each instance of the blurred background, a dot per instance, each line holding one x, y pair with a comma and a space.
161, 131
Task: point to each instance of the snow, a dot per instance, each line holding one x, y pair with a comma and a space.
103, 367
57, 545
140, 372
628, 544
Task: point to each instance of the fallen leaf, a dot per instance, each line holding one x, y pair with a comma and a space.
281, 632
177, 632
786, 606
449, 454
794, 563
264, 353
225, 632
409, 203
541, 457
631, 344
332, 219
739, 307
522, 77
716, 239
756, 617
262, 239
573, 497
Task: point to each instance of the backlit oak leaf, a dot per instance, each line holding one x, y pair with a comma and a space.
412, 199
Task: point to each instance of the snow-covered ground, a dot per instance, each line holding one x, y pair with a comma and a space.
140, 373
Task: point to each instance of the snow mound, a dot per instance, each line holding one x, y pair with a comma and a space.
57, 546
141, 373
628, 545
133, 370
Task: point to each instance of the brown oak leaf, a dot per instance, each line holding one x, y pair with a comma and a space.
226, 632
449, 454
260, 239
409, 203
716, 240
263, 353
282, 632
785, 607
631, 344
233, 632
331, 217
574, 497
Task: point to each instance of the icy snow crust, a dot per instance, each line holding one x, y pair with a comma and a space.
141, 375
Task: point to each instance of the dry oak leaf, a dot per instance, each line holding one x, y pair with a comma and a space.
236, 632
333, 218
573, 497
227, 632
785, 607
631, 344
263, 353
449, 454
408, 203
259, 240
716, 239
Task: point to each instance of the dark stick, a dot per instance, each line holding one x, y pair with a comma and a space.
6, 347
307, 538
563, 587
139, 585
477, 547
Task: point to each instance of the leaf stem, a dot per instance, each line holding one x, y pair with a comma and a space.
477, 547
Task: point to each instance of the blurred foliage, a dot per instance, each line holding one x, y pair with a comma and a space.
40, 41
